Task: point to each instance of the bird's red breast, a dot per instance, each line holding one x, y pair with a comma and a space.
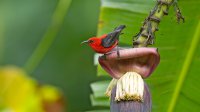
96, 45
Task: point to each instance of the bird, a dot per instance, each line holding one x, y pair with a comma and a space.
107, 42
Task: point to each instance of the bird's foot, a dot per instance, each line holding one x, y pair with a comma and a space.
118, 54
106, 54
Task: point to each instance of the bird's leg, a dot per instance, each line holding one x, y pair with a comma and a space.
118, 55
103, 56
108, 53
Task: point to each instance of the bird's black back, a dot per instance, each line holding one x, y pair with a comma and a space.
112, 37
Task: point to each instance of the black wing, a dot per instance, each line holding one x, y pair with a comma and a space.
111, 38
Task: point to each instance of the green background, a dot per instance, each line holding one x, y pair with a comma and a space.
67, 64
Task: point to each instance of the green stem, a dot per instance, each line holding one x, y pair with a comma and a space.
1, 40
49, 36
147, 32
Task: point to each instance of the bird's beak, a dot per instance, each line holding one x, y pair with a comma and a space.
85, 42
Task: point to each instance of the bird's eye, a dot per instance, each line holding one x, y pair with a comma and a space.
91, 41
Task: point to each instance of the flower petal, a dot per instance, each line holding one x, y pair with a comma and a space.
131, 106
140, 60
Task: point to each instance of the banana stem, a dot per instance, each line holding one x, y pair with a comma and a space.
146, 34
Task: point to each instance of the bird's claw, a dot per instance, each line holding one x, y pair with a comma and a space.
118, 54
104, 56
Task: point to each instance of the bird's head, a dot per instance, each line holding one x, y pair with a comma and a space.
92, 42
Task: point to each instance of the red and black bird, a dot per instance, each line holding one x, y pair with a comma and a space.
105, 43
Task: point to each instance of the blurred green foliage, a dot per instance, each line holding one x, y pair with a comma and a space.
66, 65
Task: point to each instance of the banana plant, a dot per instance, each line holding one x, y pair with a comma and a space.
174, 84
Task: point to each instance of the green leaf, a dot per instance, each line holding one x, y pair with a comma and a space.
99, 88
137, 6
175, 83
99, 101
128, 12
99, 111
101, 71
98, 97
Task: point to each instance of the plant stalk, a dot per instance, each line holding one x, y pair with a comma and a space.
146, 34
49, 36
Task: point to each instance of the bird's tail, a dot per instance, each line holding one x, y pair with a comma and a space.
117, 31
120, 28
113, 36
